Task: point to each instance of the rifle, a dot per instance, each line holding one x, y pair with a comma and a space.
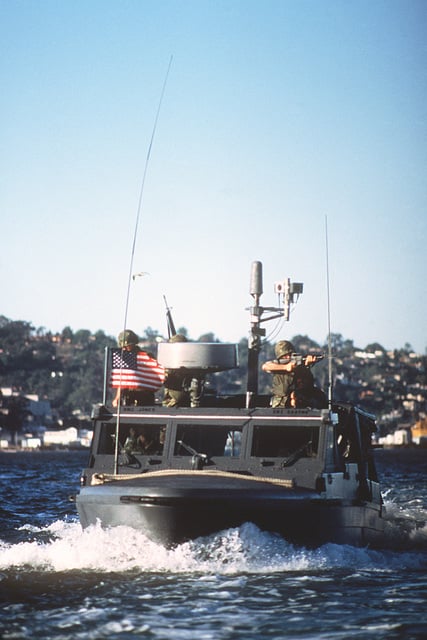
298, 359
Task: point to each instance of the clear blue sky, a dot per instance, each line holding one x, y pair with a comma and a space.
276, 114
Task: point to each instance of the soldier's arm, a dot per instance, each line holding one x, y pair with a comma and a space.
273, 366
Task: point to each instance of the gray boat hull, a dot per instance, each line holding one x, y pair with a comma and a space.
178, 508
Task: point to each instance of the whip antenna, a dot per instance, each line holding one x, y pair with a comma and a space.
135, 233
329, 318
141, 193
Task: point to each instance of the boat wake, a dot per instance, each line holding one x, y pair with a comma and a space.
64, 546
405, 524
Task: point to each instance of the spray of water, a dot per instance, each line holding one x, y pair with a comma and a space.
64, 546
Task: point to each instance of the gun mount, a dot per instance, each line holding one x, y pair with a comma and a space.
202, 357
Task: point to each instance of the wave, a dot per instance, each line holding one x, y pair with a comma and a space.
405, 524
65, 546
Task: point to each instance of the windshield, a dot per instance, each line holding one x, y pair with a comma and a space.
211, 440
280, 441
144, 439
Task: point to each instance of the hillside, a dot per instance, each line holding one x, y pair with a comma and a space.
67, 368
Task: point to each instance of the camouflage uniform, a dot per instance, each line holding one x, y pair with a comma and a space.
282, 382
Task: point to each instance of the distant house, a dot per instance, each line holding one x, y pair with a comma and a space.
30, 442
63, 437
68, 437
366, 355
400, 438
419, 432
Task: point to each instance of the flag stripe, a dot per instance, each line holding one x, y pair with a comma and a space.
136, 370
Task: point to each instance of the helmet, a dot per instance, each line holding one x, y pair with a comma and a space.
178, 337
284, 348
127, 338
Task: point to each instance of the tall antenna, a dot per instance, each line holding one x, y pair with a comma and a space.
138, 215
141, 193
329, 318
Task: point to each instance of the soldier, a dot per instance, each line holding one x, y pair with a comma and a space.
140, 443
131, 441
145, 443
283, 370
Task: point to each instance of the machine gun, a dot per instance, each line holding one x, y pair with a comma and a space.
169, 319
298, 359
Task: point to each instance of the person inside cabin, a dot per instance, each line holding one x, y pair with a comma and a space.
162, 439
142, 442
283, 372
130, 444
182, 389
135, 374
146, 444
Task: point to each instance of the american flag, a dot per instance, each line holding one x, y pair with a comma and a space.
136, 370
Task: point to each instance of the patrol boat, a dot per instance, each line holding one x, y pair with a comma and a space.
303, 473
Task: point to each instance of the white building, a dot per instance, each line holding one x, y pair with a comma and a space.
62, 437
400, 438
67, 437
30, 442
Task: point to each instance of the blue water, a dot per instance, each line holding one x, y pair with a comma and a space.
57, 581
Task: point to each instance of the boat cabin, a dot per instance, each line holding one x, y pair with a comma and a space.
298, 445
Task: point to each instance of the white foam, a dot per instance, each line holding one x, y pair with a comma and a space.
406, 524
236, 551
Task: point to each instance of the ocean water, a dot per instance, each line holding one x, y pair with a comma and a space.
58, 581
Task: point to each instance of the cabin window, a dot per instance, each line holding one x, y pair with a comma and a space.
210, 440
282, 442
147, 439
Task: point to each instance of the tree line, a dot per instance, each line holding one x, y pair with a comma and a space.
67, 368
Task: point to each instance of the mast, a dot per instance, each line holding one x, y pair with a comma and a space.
288, 293
254, 344
329, 318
